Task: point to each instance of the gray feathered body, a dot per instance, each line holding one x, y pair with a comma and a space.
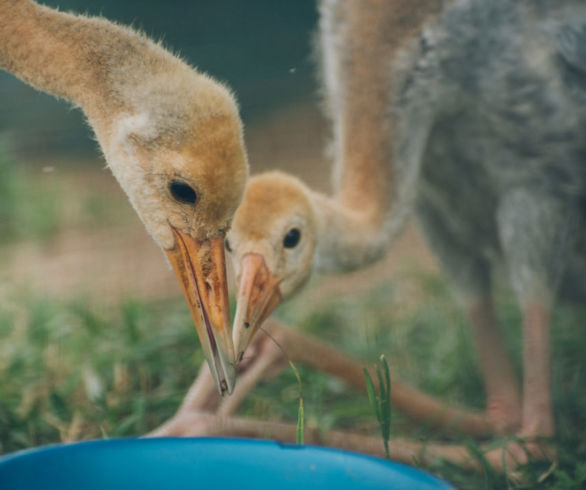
491, 140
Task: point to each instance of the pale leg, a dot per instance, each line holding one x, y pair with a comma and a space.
537, 411
536, 245
502, 388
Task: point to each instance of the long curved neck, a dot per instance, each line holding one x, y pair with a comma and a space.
345, 239
89, 61
359, 43
356, 69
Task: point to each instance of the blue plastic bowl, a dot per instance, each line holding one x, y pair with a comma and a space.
203, 463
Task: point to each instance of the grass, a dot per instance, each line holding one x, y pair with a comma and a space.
69, 372
22, 218
300, 430
381, 401
38, 201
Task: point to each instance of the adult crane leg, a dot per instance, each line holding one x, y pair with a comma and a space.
469, 272
503, 406
538, 232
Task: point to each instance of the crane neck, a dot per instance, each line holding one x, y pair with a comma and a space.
347, 238
373, 180
92, 62
360, 41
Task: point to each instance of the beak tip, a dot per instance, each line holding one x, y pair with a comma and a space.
223, 370
224, 387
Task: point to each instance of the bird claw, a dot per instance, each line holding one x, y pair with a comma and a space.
516, 453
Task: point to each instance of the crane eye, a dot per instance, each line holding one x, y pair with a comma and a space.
227, 245
292, 238
182, 192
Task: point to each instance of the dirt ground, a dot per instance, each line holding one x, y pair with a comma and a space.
121, 260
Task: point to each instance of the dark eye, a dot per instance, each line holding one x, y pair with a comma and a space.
292, 238
227, 245
182, 192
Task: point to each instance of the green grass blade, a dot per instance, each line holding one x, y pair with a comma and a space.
381, 384
300, 432
300, 437
381, 402
300, 423
371, 391
386, 398
387, 375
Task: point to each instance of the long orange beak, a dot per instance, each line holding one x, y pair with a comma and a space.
258, 295
201, 270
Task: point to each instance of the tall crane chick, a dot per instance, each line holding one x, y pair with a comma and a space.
171, 136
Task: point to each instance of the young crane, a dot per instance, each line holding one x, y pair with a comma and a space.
171, 136
473, 114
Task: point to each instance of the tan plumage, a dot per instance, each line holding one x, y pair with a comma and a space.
158, 121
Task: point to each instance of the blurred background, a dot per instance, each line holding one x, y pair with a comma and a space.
95, 337
262, 49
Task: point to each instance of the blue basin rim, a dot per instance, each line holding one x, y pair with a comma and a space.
193, 463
